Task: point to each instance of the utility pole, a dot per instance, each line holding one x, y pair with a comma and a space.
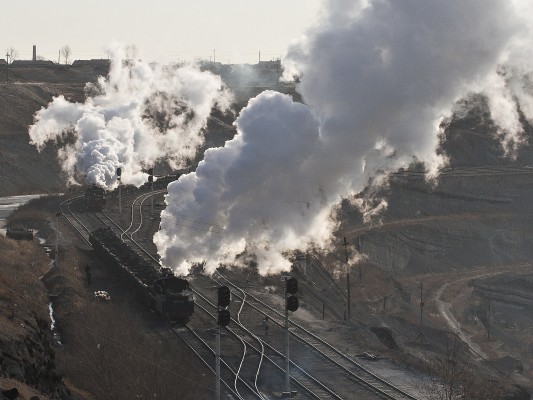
421, 335
489, 315
57, 239
345, 244
259, 56
360, 270
214, 55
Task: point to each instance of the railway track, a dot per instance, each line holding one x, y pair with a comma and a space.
206, 354
83, 222
309, 386
366, 385
325, 351
136, 219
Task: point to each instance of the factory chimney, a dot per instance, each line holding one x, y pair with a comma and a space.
34, 53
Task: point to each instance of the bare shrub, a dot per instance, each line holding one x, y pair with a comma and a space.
116, 362
457, 378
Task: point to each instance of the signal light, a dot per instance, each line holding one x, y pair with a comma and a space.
224, 318
119, 171
292, 286
292, 303
224, 296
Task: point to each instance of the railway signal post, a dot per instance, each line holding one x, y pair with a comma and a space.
151, 180
119, 174
224, 318
291, 304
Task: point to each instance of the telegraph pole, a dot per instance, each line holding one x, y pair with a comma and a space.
57, 239
421, 306
345, 244
421, 335
489, 314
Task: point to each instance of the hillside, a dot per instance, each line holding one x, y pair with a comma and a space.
22, 169
452, 235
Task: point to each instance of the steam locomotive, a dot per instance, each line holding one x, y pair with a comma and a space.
170, 296
95, 198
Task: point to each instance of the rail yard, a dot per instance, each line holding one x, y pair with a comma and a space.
252, 359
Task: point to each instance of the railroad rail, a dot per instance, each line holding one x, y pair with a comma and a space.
327, 351
206, 354
300, 376
305, 381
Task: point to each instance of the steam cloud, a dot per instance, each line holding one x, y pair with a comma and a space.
377, 78
137, 115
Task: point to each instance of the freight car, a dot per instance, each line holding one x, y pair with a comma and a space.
168, 295
95, 198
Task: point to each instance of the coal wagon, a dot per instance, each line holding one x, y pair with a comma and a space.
168, 295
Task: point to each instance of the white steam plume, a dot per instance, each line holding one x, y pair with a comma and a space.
377, 78
137, 115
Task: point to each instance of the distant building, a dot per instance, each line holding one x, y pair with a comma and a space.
264, 74
31, 63
2, 61
94, 62
274, 64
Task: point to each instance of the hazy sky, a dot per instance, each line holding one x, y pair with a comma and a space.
163, 30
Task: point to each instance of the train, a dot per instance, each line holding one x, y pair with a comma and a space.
169, 296
95, 198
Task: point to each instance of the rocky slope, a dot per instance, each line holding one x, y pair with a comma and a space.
26, 353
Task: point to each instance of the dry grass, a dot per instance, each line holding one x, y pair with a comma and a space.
114, 360
115, 351
21, 291
35, 213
